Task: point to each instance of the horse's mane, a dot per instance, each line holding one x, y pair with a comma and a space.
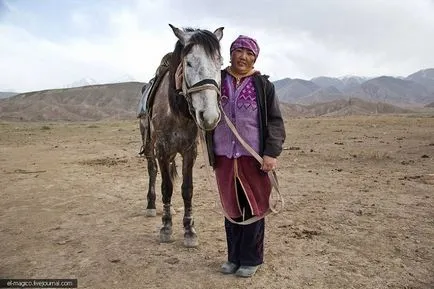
204, 38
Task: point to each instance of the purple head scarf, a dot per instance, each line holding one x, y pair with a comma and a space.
245, 42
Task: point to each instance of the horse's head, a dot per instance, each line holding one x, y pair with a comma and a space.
202, 62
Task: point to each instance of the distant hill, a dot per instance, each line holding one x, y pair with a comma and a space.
292, 90
282, 83
86, 81
7, 94
324, 82
316, 97
341, 107
424, 77
351, 82
109, 101
354, 106
415, 90
120, 101
324, 94
294, 110
343, 84
393, 90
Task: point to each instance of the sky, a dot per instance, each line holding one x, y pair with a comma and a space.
48, 44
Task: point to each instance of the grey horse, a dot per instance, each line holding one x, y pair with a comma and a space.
171, 124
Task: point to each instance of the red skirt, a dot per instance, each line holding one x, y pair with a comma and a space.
255, 185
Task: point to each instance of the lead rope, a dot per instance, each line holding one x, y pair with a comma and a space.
211, 181
271, 174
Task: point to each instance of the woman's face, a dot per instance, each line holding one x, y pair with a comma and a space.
242, 60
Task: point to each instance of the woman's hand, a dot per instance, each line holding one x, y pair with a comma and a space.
268, 163
178, 77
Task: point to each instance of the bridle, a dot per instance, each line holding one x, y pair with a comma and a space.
204, 84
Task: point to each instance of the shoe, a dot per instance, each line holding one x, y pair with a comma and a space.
246, 271
229, 268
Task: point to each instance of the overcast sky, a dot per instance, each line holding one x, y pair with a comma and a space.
51, 43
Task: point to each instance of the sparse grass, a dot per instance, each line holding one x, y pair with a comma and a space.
108, 162
45, 127
358, 210
374, 155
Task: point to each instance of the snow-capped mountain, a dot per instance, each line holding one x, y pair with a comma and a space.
86, 81
415, 90
354, 79
124, 78
424, 77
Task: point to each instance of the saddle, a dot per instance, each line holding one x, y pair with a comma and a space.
149, 90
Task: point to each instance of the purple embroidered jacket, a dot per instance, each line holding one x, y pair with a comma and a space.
239, 104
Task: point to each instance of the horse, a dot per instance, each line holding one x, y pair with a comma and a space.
171, 125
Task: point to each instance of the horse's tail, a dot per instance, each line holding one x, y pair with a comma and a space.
173, 171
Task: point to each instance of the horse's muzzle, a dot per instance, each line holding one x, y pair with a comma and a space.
208, 120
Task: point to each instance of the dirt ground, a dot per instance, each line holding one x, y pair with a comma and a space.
359, 211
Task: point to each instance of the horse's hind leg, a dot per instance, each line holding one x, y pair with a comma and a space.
166, 191
190, 236
151, 210
148, 150
143, 134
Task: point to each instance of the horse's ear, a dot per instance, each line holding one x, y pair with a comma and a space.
178, 33
219, 33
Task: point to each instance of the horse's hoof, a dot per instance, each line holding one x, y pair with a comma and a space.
151, 212
164, 238
165, 235
191, 242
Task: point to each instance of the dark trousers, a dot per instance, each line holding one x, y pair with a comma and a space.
245, 243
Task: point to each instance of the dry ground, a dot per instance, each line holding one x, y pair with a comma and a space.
359, 209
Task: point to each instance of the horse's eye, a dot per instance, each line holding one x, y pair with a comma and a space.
189, 64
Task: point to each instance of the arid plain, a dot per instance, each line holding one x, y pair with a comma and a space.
359, 213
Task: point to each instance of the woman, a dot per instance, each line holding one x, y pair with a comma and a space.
249, 100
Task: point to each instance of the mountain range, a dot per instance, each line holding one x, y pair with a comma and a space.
7, 94
86, 103
315, 97
414, 90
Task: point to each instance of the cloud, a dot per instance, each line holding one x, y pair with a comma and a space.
393, 36
47, 47
5, 7
33, 63
36, 62
80, 20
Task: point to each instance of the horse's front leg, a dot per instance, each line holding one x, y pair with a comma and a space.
166, 191
190, 236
